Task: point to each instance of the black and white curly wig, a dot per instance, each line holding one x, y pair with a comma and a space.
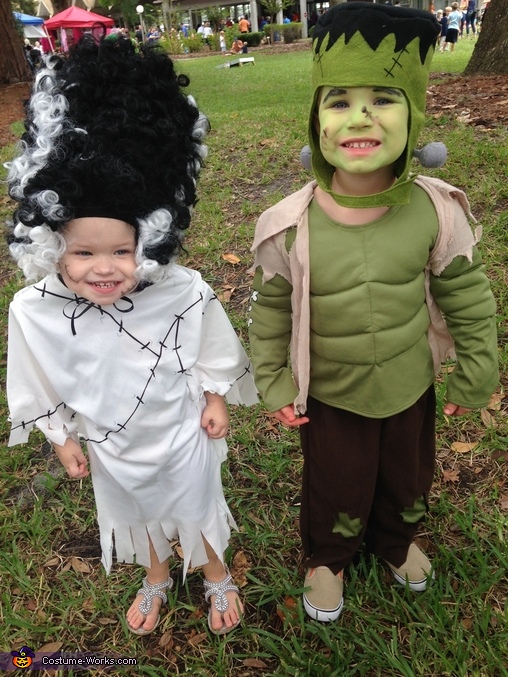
109, 133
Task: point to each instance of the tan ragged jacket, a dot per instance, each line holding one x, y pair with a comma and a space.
455, 238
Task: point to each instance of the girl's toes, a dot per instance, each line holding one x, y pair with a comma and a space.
231, 616
136, 619
216, 620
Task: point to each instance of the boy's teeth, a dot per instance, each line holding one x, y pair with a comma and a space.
362, 144
104, 285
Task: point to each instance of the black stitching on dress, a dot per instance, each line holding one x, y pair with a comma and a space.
173, 329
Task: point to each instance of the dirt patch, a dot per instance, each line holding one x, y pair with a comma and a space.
478, 100
12, 109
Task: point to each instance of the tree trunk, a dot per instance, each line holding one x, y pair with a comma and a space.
13, 65
490, 56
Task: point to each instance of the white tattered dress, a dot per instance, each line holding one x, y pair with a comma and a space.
129, 379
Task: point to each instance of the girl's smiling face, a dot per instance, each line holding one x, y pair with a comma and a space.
99, 260
362, 129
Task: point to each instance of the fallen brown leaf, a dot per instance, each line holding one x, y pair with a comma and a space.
499, 453
167, 640
463, 447
254, 663
80, 565
495, 402
288, 609
197, 638
488, 419
451, 475
467, 623
225, 296
231, 258
51, 647
239, 568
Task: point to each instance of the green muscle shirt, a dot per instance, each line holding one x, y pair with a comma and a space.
369, 352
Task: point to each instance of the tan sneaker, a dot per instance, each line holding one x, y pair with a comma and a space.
416, 570
324, 601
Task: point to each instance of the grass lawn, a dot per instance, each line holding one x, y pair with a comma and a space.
53, 590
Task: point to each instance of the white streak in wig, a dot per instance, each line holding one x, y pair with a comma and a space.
152, 230
49, 205
39, 257
200, 129
49, 107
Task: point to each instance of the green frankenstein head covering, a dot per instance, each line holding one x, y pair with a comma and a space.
360, 44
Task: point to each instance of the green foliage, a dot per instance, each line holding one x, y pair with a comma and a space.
172, 43
273, 7
287, 33
252, 39
194, 43
127, 8
291, 32
215, 15
24, 6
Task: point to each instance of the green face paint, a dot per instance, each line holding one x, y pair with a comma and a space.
371, 45
363, 130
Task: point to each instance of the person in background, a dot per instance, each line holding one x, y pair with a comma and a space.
244, 25
237, 45
443, 21
222, 42
471, 18
453, 29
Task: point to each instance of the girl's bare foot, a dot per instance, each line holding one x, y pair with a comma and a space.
226, 607
145, 619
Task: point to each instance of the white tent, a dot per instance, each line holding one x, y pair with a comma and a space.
32, 26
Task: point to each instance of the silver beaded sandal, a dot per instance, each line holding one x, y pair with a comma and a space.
221, 601
150, 591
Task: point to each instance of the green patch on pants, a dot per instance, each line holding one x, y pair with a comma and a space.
347, 527
416, 513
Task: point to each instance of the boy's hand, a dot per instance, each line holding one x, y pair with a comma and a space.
215, 417
72, 458
287, 417
455, 410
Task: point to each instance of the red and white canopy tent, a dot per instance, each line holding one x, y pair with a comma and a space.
78, 21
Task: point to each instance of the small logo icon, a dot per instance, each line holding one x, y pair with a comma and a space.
23, 658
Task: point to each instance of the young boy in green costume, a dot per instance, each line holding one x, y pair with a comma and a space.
354, 274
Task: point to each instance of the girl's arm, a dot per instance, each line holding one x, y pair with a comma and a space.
215, 417
72, 458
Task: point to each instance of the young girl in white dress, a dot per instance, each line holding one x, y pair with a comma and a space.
114, 344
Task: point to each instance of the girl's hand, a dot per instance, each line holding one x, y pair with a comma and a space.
455, 410
287, 416
72, 458
215, 417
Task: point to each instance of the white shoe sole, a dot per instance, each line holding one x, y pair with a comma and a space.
415, 586
323, 615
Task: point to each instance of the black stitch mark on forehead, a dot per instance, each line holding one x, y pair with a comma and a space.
395, 62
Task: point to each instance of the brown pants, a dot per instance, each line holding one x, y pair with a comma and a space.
365, 479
